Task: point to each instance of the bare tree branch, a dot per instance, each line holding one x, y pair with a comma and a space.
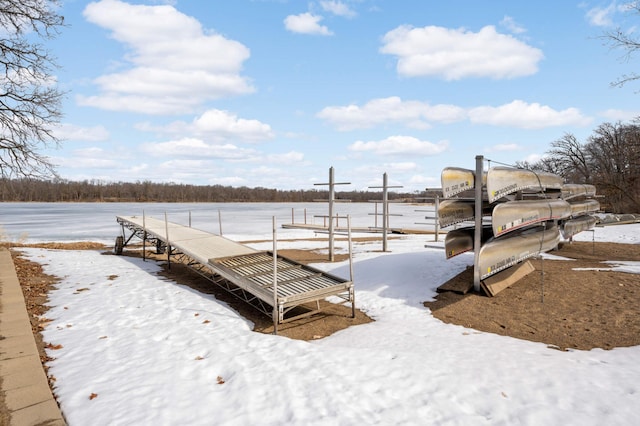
30, 101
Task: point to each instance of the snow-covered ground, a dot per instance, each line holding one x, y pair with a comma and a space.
138, 349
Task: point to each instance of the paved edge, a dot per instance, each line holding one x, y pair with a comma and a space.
28, 396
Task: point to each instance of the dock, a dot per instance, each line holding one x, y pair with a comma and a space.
275, 285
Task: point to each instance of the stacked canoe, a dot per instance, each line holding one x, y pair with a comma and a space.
524, 213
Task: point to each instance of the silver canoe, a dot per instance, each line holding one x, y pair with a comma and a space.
455, 211
574, 190
501, 253
502, 181
513, 215
574, 226
460, 240
455, 180
582, 207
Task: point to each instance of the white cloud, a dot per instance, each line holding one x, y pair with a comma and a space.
175, 64
527, 116
454, 54
215, 125
306, 23
337, 8
400, 145
71, 132
620, 115
512, 26
288, 158
504, 147
601, 16
220, 122
193, 147
414, 114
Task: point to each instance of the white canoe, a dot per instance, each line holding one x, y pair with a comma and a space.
460, 240
582, 207
513, 215
503, 252
455, 211
455, 180
574, 190
572, 227
502, 181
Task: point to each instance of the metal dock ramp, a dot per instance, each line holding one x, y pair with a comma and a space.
274, 285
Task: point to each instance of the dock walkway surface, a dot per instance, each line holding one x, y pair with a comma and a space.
27, 396
280, 284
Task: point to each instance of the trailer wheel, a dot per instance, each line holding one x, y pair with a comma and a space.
119, 245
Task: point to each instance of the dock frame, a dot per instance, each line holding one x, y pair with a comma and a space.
271, 283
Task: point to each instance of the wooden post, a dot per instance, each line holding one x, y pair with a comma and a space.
220, 222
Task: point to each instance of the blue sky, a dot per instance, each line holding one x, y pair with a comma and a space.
272, 93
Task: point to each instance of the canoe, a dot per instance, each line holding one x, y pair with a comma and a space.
455, 180
460, 240
455, 211
574, 190
582, 207
502, 181
503, 252
513, 215
572, 227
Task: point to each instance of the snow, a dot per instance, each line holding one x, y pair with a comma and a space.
153, 352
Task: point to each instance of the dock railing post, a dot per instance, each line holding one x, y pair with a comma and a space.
477, 235
144, 238
166, 230
276, 311
437, 223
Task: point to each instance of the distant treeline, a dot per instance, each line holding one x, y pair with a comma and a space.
27, 190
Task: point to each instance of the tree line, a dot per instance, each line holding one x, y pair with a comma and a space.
60, 190
608, 159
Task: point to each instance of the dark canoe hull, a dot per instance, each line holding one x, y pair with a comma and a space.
501, 253
455, 211
502, 181
514, 215
575, 190
582, 207
574, 226
460, 240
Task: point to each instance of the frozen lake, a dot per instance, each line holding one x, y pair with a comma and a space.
65, 222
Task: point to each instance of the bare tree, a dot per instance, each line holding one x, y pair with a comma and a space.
620, 38
29, 99
614, 152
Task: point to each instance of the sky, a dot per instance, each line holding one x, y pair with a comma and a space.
272, 93
165, 354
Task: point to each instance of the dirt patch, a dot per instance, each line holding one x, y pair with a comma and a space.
557, 304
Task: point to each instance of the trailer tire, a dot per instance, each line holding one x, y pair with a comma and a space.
119, 245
